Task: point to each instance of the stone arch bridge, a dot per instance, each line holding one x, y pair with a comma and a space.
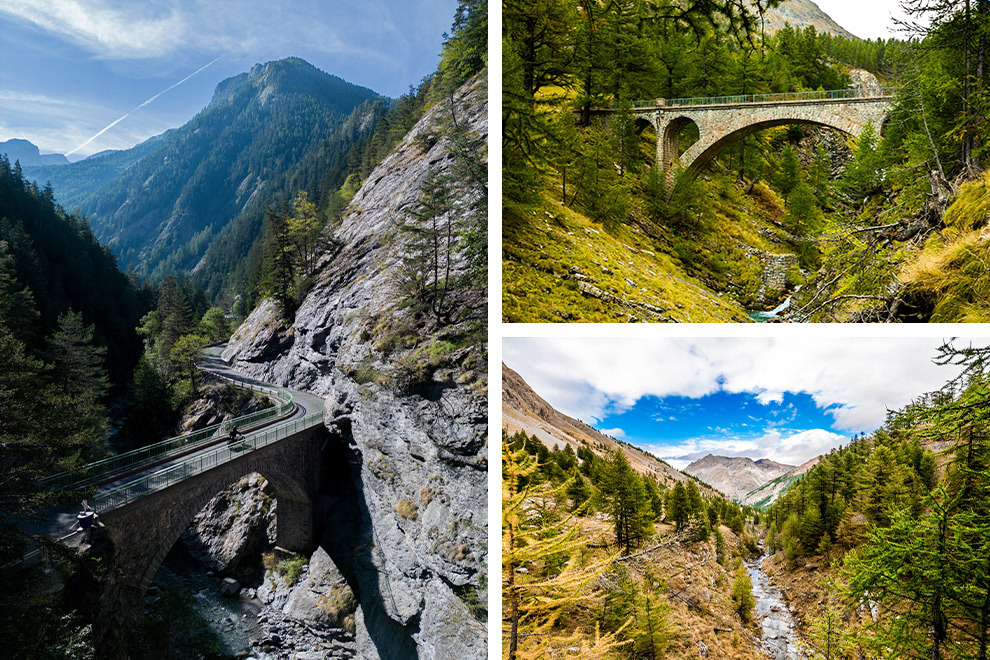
147, 497
724, 120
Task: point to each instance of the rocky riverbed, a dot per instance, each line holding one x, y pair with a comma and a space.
225, 590
779, 635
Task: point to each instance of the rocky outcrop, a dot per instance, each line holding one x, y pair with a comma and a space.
865, 83
801, 14
405, 520
315, 614
219, 402
235, 528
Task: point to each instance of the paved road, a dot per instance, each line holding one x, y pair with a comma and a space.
61, 523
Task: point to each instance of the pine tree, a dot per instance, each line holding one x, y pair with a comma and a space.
535, 601
624, 497
678, 505
742, 596
430, 246
77, 364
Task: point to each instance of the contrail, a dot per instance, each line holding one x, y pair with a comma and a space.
117, 121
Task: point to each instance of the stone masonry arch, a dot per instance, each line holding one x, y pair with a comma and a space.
721, 125
141, 533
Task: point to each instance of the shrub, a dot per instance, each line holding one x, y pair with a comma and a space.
742, 596
407, 509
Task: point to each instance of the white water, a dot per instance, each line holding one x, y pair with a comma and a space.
779, 634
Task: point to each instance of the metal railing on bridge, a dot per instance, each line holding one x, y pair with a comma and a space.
111, 465
782, 97
121, 495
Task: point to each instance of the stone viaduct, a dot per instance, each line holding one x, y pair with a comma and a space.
722, 121
143, 531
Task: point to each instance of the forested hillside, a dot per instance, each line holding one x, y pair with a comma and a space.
192, 200
882, 546
594, 231
52, 265
614, 564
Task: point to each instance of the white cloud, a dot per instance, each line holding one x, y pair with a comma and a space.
260, 28
144, 29
793, 449
861, 377
615, 433
867, 20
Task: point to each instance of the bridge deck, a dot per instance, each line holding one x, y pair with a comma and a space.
821, 96
114, 491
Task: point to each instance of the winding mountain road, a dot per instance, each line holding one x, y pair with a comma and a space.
61, 522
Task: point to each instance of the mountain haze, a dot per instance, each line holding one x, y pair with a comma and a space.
193, 200
736, 476
26, 153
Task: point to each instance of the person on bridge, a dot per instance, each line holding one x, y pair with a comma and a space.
234, 435
86, 518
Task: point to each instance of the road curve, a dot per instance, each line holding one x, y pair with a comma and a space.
60, 524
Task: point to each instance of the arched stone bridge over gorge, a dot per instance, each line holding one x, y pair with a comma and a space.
147, 498
724, 120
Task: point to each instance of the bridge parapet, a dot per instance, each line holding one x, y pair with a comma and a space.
117, 497
107, 467
779, 97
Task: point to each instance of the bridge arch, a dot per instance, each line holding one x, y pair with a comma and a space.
143, 532
700, 160
672, 141
721, 122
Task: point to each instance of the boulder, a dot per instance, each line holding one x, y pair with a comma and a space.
230, 587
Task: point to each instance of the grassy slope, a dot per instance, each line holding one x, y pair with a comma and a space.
952, 271
697, 592
713, 280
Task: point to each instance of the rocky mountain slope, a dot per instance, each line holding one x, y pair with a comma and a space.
738, 475
406, 523
802, 14
765, 494
524, 410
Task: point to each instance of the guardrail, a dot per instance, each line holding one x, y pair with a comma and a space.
121, 495
120, 462
821, 95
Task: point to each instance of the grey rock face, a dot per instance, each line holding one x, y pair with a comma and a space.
232, 531
408, 530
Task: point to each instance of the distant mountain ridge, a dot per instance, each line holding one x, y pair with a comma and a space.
765, 494
192, 200
27, 153
802, 14
736, 476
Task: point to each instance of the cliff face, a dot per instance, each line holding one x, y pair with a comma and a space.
406, 518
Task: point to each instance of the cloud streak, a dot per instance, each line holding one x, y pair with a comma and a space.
145, 103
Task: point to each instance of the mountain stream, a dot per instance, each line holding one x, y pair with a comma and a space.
779, 636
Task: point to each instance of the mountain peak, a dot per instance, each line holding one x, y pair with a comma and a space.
736, 475
291, 76
801, 14
27, 153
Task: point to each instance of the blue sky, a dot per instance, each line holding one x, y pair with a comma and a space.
69, 68
682, 398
